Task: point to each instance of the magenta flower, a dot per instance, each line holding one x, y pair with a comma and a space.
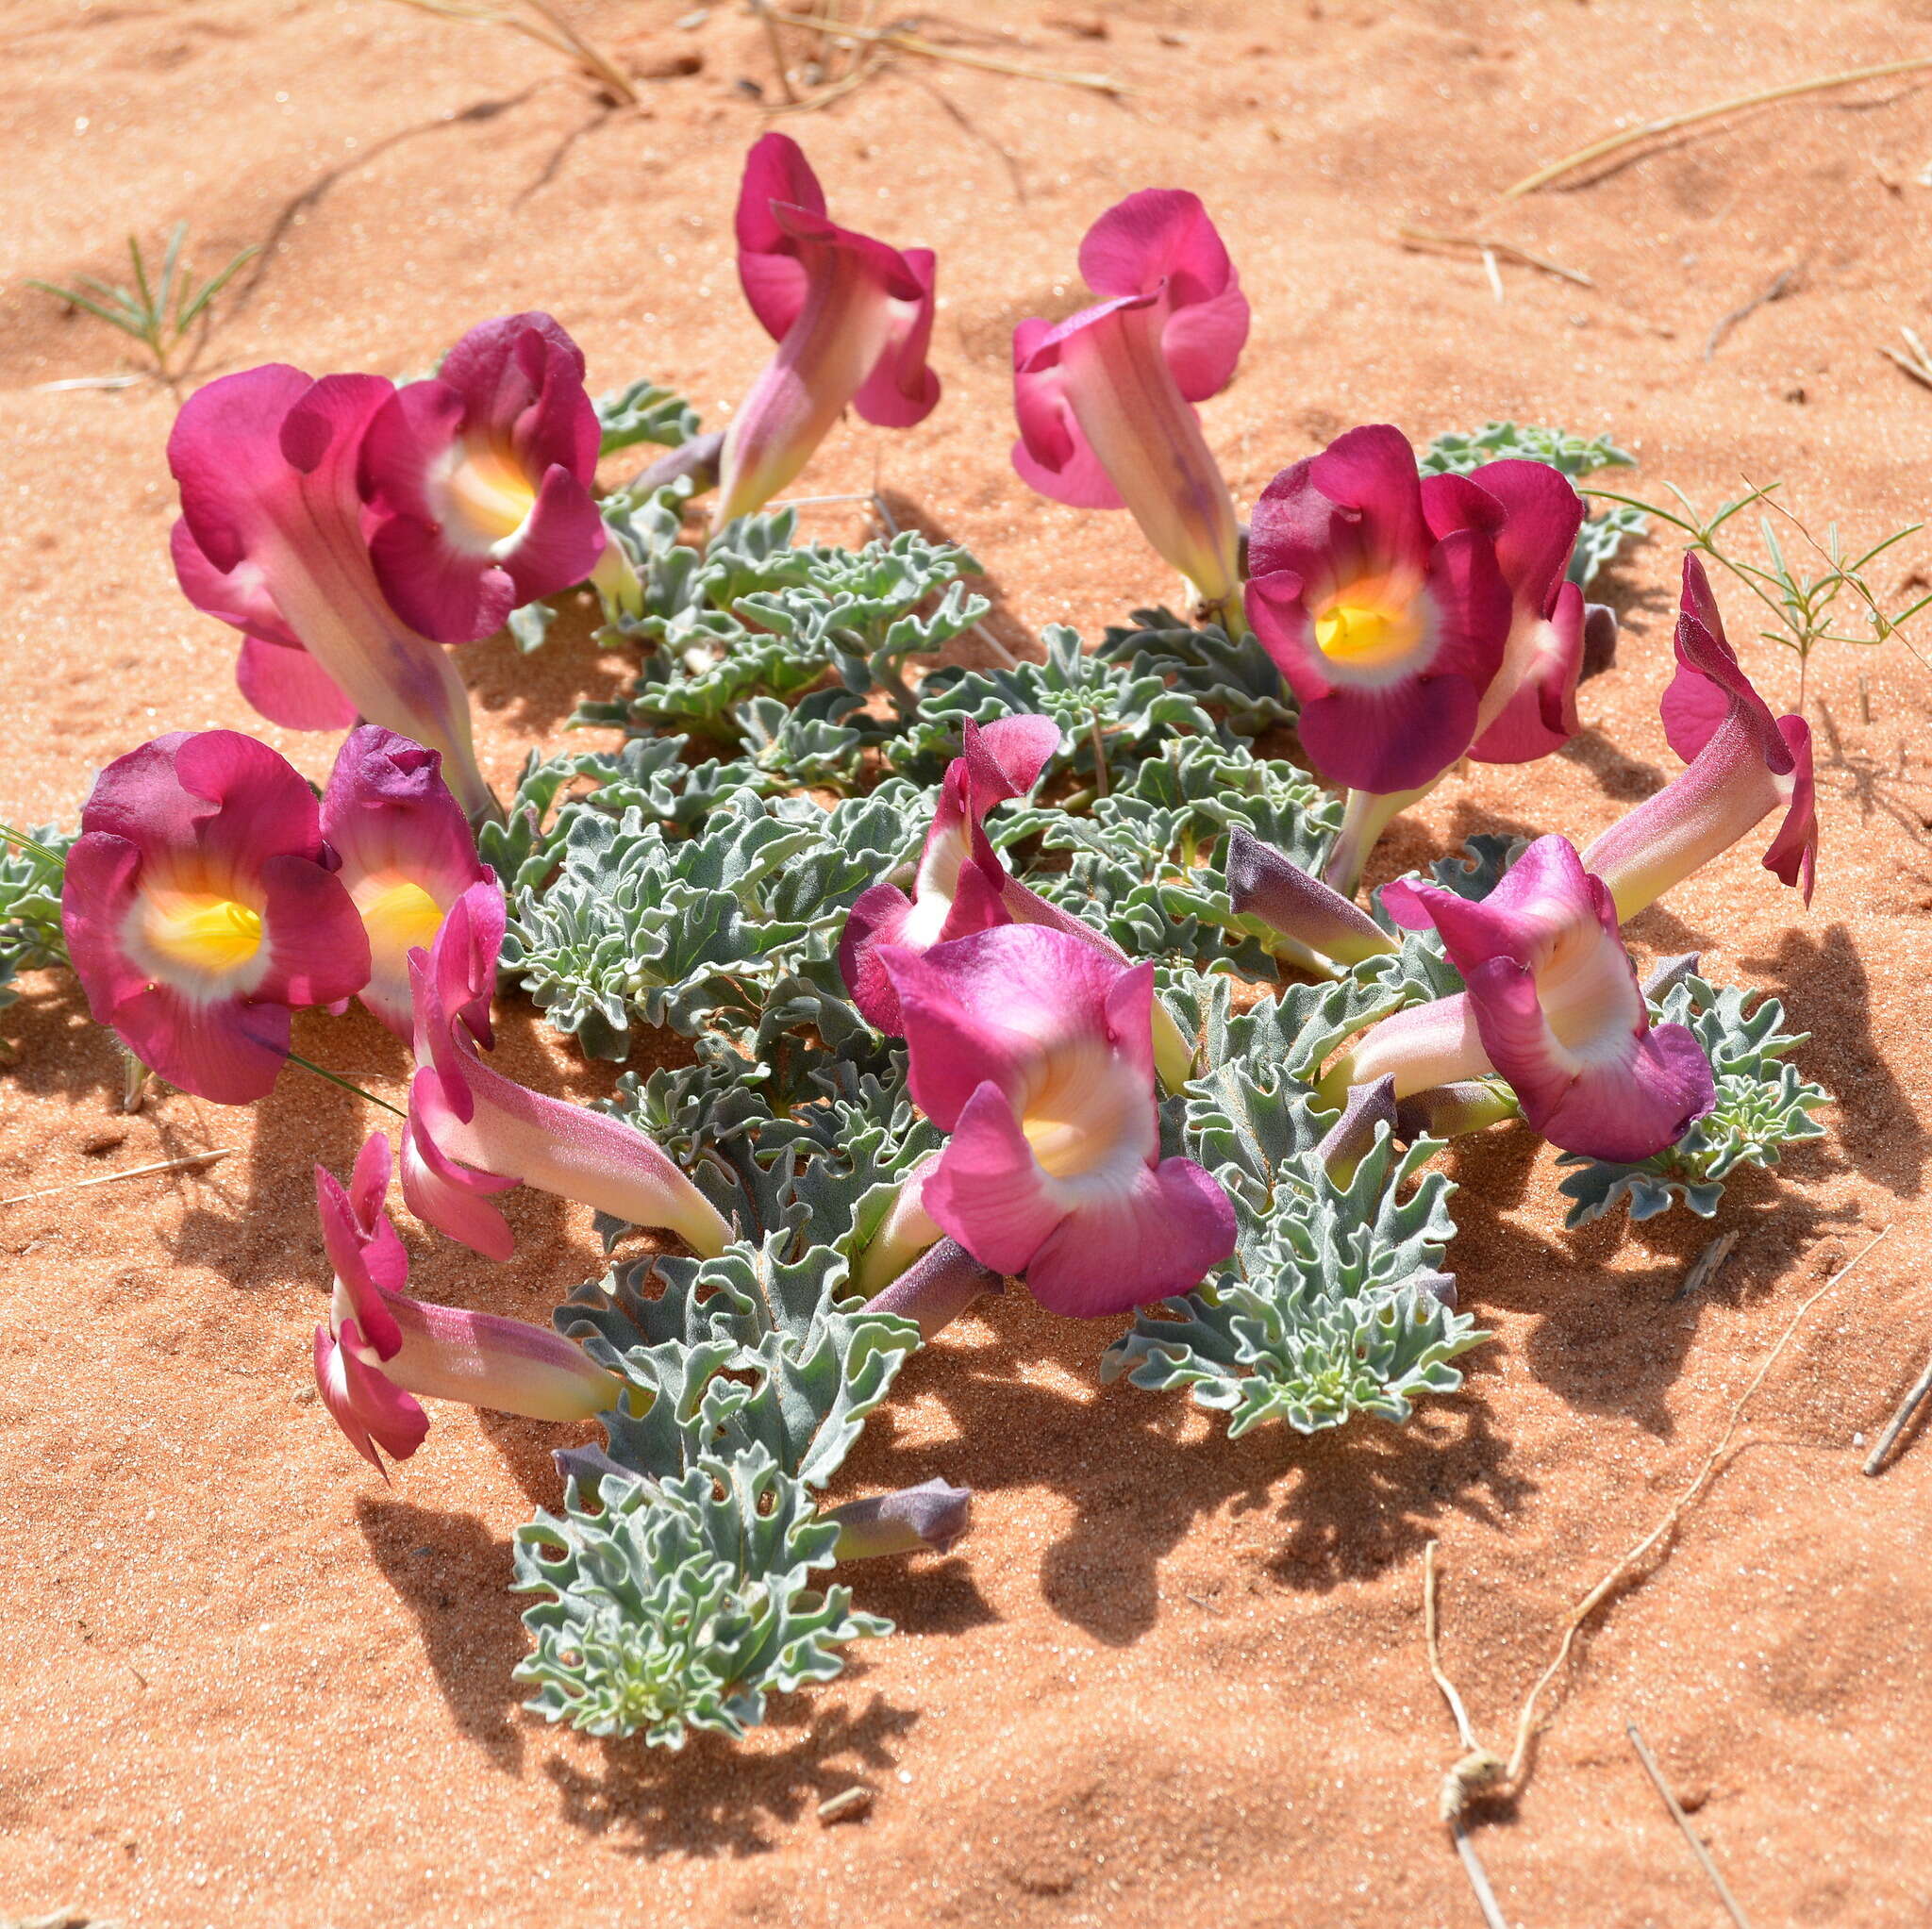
952, 896
270, 541
1378, 595
1106, 398
406, 854
479, 481
1033, 1050
852, 318
1553, 1007
1743, 765
473, 1132
201, 905
381, 1349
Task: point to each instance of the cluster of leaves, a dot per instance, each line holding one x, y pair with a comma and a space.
1334, 1302
1762, 1106
1603, 534
31, 875
817, 632
679, 1578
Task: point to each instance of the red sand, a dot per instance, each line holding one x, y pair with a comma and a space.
1167, 1677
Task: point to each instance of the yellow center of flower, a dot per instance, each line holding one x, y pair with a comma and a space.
398, 915
202, 932
1365, 634
490, 491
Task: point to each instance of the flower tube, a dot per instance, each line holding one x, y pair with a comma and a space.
380, 1348
1553, 1007
473, 1132
1034, 1050
1743, 764
406, 854
1104, 399
1263, 883
200, 906
951, 896
852, 318
270, 541
478, 481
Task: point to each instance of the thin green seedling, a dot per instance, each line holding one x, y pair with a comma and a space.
1806, 609
158, 312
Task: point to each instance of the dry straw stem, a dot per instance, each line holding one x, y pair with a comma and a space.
1481, 1772
165, 1165
1630, 136
1915, 1398
1683, 1822
1424, 238
903, 42
554, 31
1917, 364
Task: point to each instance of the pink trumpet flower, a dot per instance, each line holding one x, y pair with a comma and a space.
201, 905
1378, 595
1743, 765
381, 1349
1106, 399
473, 1132
1419, 619
852, 318
1553, 1007
478, 480
952, 896
406, 854
1034, 1050
271, 540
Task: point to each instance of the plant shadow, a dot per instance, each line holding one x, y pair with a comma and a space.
721, 1797
999, 622
1349, 1507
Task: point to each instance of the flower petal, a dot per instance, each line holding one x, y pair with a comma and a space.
289, 688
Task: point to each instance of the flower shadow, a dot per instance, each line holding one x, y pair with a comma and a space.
1827, 991
454, 1576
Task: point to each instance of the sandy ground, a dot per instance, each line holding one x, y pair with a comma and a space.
1167, 1677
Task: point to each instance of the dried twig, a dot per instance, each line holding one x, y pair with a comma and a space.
903, 42
1478, 1877
763, 9
1915, 1398
1683, 1822
1917, 364
1630, 136
166, 1165
1481, 1771
1489, 244
1780, 286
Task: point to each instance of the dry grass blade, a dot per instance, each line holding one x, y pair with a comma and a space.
555, 32
1683, 1822
1917, 364
1630, 136
1478, 1878
165, 1165
906, 41
1422, 238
